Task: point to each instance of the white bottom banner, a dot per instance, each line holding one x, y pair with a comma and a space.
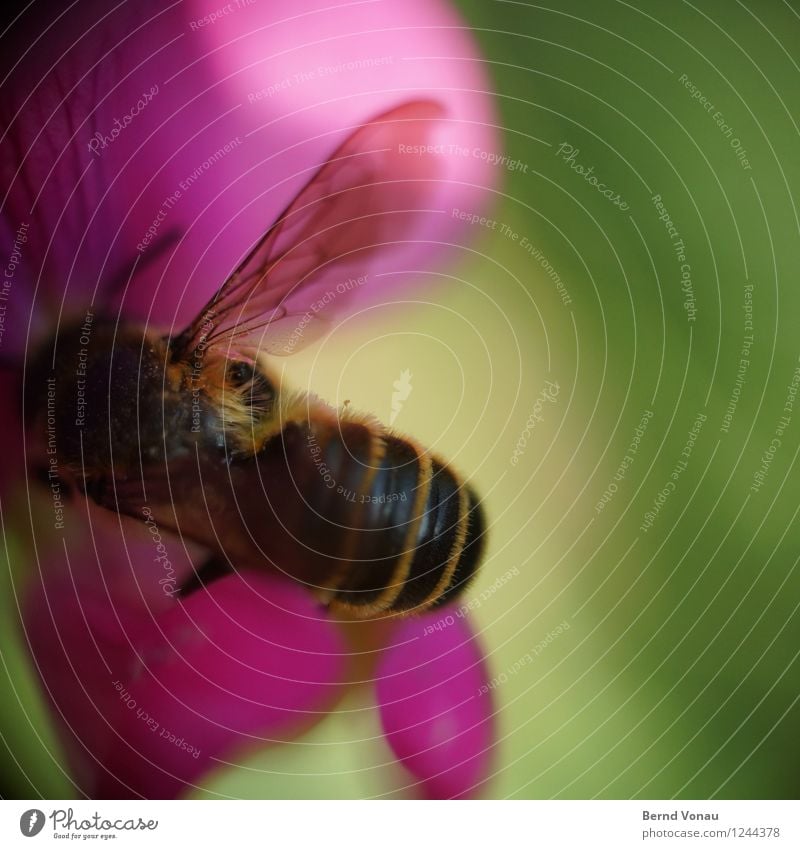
489, 824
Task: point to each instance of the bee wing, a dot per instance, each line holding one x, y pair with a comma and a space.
365, 198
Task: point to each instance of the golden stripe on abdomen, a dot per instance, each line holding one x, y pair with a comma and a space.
387, 521
439, 540
471, 554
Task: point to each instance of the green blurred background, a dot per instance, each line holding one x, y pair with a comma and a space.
678, 675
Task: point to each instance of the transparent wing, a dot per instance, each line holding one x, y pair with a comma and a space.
366, 197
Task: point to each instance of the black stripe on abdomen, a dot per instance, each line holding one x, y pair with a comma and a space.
471, 554
385, 521
436, 542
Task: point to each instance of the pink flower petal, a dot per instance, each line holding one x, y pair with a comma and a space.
153, 702
159, 140
434, 715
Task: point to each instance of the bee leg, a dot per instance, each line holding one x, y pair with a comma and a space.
210, 570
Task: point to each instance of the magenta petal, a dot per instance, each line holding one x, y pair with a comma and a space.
153, 702
155, 141
433, 713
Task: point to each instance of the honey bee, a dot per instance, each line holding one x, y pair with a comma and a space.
194, 433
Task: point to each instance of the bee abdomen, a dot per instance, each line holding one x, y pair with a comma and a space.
436, 546
391, 501
369, 520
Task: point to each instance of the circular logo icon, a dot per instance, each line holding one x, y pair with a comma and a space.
31, 822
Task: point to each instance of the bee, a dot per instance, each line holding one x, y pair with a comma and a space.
195, 433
